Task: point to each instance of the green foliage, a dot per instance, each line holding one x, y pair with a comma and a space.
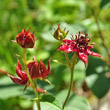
75, 102
105, 4
49, 99
97, 78
50, 102
9, 89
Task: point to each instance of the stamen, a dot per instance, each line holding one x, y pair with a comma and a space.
72, 38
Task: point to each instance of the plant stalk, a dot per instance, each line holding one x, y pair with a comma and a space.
71, 79
67, 59
34, 87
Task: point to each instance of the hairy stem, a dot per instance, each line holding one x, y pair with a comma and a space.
30, 80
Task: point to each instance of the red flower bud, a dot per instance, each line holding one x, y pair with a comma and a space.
36, 70
25, 39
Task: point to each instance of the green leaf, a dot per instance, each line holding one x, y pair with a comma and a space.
79, 74
97, 77
48, 102
50, 99
9, 89
25, 103
79, 103
105, 4
75, 102
45, 106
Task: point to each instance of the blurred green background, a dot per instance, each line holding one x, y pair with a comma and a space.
91, 16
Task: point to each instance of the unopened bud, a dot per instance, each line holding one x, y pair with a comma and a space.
59, 34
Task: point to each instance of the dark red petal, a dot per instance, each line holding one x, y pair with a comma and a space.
42, 65
19, 69
19, 72
49, 66
33, 69
89, 52
82, 56
27, 32
34, 63
18, 80
67, 41
28, 39
19, 65
33, 35
90, 46
24, 30
19, 38
30, 65
44, 72
66, 48
29, 42
20, 35
24, 75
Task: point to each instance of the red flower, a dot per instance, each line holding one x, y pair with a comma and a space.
36, 70
79, 45
26, 39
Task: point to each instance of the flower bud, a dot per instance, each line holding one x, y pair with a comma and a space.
38, 70
25, 39
59, 34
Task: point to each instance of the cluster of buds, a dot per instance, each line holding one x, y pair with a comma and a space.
36, 70
26, 39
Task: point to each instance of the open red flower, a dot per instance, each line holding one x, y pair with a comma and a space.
79, 45
26, 39
36, 70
